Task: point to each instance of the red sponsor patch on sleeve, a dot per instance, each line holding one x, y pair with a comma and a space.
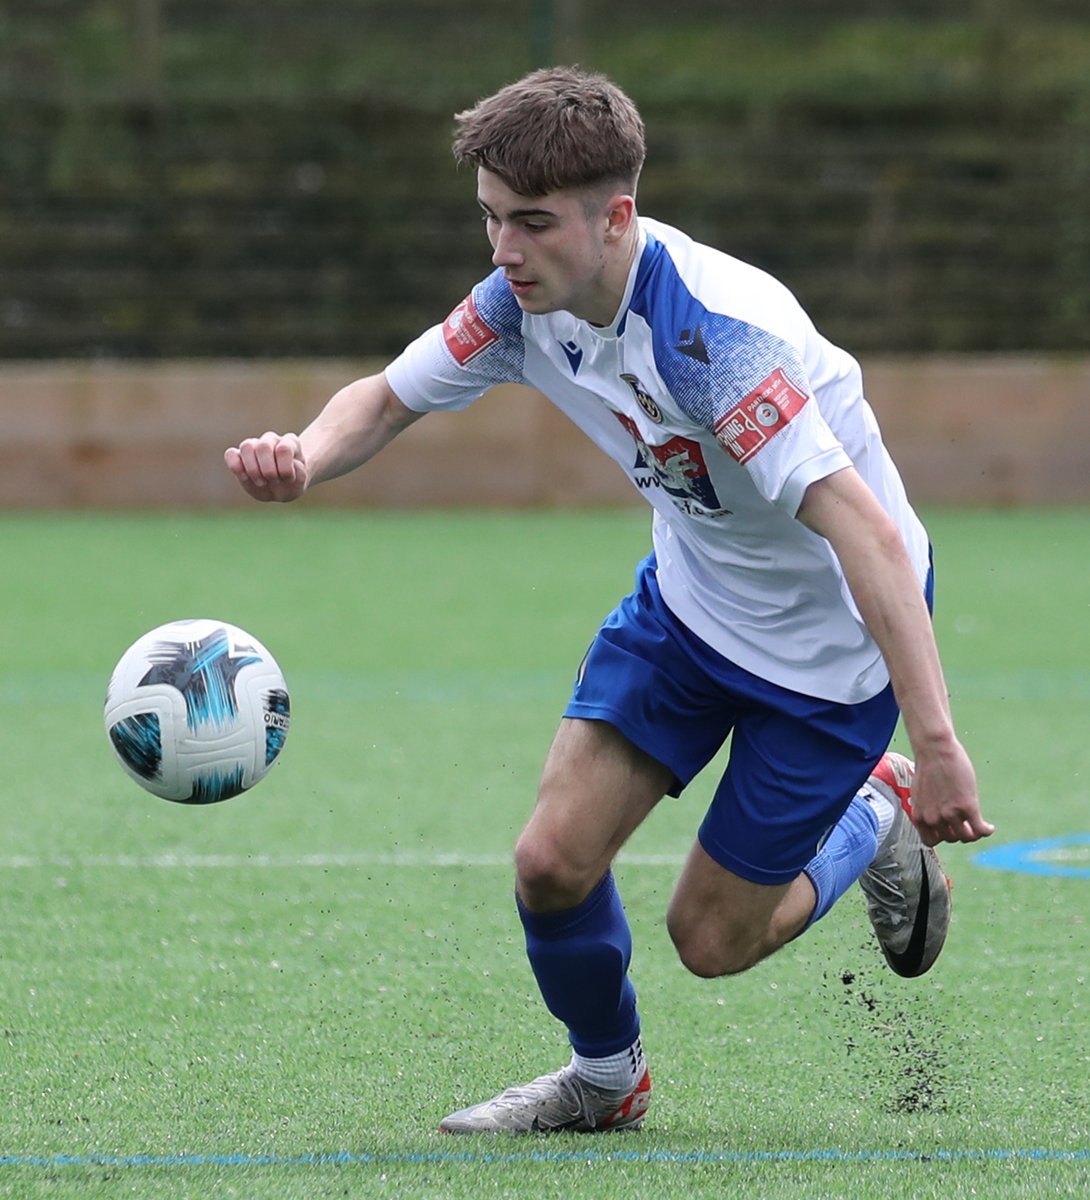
751, 423
466, 333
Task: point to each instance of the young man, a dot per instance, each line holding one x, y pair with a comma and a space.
785, 602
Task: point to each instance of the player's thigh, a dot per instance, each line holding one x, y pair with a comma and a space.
596, 789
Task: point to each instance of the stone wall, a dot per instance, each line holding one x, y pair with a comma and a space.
982, 431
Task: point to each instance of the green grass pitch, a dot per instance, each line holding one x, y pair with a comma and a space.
280, 996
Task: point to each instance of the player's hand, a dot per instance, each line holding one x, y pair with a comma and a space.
270, 467
945, 805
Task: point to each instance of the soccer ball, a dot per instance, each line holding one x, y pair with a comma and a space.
197, 711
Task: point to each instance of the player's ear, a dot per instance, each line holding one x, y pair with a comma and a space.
620, 216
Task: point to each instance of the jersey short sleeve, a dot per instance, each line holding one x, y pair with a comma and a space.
479, 344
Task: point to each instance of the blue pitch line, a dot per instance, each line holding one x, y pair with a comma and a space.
698, 1157
1038, 858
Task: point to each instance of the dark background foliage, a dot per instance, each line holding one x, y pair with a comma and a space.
264, 179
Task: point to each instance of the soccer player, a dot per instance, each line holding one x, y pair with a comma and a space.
785, 602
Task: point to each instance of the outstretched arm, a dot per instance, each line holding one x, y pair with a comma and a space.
843, 510
354, 426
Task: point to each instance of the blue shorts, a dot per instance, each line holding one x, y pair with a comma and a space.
795, 761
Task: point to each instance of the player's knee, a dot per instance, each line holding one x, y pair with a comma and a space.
547, 878
710, 952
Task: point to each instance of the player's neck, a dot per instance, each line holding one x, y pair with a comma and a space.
615, 275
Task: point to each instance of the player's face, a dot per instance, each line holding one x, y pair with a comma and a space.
555, 254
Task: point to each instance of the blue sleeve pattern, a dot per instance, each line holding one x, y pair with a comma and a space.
503, 361
708, 361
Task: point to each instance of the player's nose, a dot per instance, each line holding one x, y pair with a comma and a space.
505, 249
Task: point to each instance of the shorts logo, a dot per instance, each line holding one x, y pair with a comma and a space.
643, 398
466, 333
770, 407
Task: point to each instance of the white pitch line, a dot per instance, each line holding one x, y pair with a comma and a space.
196, 862
1062, 854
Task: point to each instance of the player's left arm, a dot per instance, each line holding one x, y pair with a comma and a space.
844, 511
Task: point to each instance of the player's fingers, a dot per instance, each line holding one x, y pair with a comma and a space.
233, 458
943, 827
262, 452
287, 455
236, 465
976, 828
928, 834
967, 826
955, 829
257, 457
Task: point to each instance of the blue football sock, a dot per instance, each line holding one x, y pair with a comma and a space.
580, 959
848, 851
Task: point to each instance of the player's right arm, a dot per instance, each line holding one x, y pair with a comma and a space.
353, 427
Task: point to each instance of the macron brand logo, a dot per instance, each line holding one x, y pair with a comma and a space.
466, 333
750, 425
573, 354
691, 343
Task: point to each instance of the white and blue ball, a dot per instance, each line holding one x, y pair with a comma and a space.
197, 711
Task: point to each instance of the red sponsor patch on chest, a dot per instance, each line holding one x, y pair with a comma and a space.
466, 333
754, 421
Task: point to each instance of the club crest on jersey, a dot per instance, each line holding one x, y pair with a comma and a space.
466, 333
750, 425
643, 398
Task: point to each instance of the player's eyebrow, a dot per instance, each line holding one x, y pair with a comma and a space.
518, 213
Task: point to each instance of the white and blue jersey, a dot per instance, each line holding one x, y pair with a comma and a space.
722, 403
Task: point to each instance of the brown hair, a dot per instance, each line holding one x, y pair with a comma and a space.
556, 128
